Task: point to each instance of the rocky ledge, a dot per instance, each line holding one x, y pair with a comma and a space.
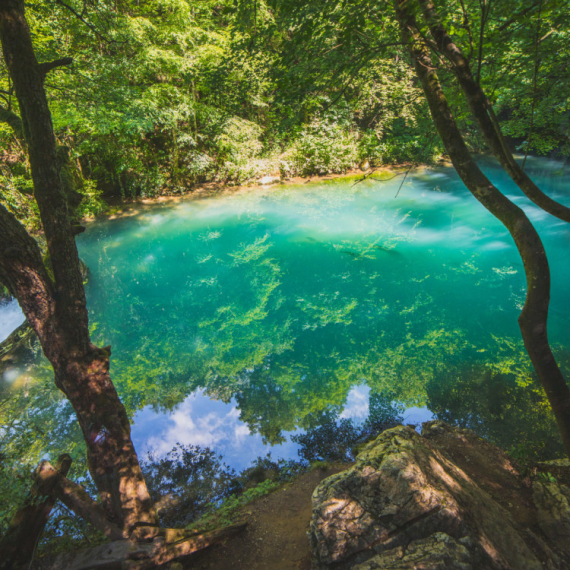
442, 500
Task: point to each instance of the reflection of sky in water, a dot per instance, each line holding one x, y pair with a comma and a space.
357, 404
11, 317
201, 421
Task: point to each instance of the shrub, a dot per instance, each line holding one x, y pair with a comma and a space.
238, 148
323, 147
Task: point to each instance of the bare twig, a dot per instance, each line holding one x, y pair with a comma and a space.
403, 180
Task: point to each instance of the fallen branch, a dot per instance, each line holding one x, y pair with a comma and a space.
170, 545
18, 545
50, 481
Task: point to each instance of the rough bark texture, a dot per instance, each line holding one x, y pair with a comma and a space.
445, 500
533, 318
483, 112
56, 309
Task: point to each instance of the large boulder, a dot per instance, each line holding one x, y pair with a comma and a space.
442, 500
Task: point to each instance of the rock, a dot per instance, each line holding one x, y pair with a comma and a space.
437, 552
557, 468
364, 166
407, 503
553, 503
269, 180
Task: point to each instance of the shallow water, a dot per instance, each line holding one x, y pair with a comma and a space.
239, 320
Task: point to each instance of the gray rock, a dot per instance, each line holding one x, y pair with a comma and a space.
405, 504
553, 503
437, 552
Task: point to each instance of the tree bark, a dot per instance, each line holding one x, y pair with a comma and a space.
484, 115
56, 308
533, 318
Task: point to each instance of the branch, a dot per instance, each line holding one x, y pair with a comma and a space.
18, 545
533, 318
534, 84
48, 66
484, 114
14, 121
81, 18
520, 14
50, 481
22, 270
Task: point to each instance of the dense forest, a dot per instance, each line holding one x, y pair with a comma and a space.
107, 103
164, 95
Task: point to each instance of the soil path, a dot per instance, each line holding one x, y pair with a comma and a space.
276, 535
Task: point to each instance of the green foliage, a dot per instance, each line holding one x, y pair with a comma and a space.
32, 430
16, 194
165, 94
322, 147
92, 204
238, 146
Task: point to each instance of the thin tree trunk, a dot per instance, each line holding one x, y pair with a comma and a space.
533, 318
483, 112
57, 309
534, 85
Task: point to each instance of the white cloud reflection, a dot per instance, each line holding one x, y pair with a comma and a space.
202, 421
357, 404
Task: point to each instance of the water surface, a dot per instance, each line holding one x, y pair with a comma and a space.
240, 320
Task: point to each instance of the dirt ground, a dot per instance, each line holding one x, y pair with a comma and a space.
276, 535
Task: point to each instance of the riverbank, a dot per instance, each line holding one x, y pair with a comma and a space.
132, 207
276, 534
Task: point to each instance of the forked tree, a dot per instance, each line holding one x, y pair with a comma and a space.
534, 316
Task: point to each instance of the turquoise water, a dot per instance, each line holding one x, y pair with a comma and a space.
240, 320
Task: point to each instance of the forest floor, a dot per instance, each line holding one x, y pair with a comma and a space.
276, 534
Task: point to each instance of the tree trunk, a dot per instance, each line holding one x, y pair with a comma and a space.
56, 309
533, 318
484, 115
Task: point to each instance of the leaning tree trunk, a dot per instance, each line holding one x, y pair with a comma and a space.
56, 309
484, 115
533, 318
